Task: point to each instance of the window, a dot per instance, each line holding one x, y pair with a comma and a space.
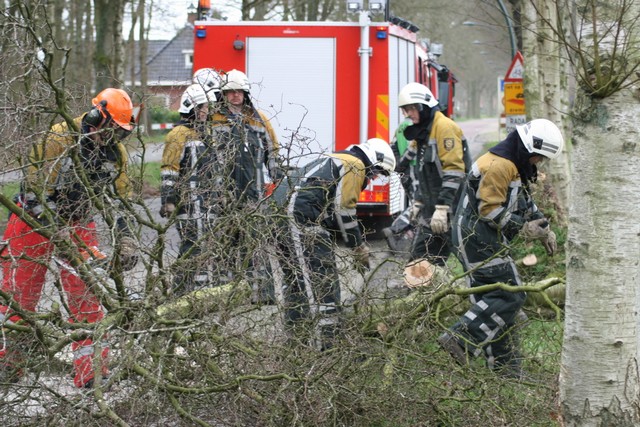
188, 58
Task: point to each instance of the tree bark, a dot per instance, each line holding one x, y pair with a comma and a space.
108, 57
599, 373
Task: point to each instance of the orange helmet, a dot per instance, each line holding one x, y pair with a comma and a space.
116, 104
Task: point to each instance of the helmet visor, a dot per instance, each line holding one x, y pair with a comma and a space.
406, 109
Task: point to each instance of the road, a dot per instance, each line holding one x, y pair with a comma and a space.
478, 132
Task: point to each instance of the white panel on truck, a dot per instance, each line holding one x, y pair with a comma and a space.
293, 81
402, 66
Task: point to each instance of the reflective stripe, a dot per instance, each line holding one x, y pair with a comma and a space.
306, 274
495, 213
491, 263
455, 174
499, 320
349, 225
328, 321
341, 227
434, 156
87, 350
451, 184
194, 143
487, 331
312, 171
327, 308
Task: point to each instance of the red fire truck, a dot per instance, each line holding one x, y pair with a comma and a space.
328, 85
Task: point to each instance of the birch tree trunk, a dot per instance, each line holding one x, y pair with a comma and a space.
546, 89
599, 379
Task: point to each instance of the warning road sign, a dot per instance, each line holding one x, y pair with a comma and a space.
514, 98
515, 73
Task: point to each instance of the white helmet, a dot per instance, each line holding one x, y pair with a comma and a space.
207, 78
416, 93
235, 80
541, 136
195, 95
379, 154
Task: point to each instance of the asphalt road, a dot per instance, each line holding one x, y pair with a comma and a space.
478, 132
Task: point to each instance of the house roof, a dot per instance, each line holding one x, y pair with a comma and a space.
166, 65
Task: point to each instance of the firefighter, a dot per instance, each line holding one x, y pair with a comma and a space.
209, 79
437, 145
323, 204
68, 173
495, 206
187, 177
247, 137
248, 159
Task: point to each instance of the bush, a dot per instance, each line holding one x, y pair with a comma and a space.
163, 115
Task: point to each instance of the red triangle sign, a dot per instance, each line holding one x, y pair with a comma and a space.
515, 72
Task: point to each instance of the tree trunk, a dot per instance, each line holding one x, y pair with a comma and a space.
108, 57
599, 374
143, 33
546, 89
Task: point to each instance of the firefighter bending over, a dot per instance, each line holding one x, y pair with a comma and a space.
494, 207
322, 204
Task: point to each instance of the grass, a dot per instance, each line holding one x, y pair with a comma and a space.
148, 172
426, 388
9, 190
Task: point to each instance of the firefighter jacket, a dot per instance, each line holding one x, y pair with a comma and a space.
182, 156
494, 201
71, 169
246, 151
440, 168
328, 192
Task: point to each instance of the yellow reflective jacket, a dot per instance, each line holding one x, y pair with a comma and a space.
59, 165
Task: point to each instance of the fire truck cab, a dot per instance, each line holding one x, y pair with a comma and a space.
308, 78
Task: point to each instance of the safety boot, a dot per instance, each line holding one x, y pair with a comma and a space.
392, 239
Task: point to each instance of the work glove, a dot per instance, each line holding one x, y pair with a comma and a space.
416, 207
550, 243
537, 229
440, 219
361, 257
128, 250
167, 209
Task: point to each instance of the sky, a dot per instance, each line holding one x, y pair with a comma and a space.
170, 15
